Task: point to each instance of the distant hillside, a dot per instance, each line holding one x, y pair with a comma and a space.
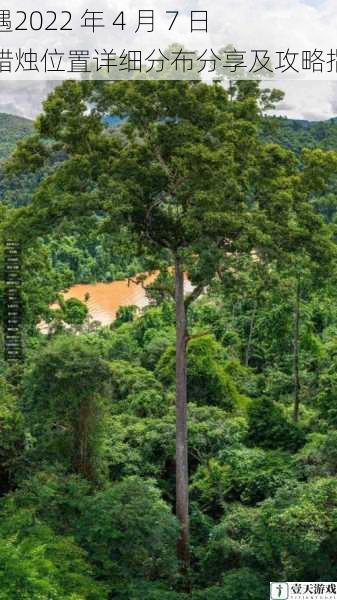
12, 129
291, 133
296, 134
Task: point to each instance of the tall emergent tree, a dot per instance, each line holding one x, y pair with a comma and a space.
186, 174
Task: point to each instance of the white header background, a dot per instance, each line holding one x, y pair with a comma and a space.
247, 24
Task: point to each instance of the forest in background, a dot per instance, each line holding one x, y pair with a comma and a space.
87, 422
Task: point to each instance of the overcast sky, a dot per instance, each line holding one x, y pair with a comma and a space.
247, 24
304, 99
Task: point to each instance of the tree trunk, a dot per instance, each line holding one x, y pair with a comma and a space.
296, 353
250, 337
83, 464
182, 507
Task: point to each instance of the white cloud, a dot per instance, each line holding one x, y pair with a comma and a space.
303, 99
311, 100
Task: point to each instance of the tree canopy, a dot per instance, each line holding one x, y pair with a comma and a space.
186, 451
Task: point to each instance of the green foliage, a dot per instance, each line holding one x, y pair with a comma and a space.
12, 434
155, 344
241, 584
328, 388
84, 252
125, 314
121, 345
285, 535
64, 404
268, 426
136, 390
297, 134
37, 563
88, 425
246, 475
138, 590
133, 505
54, 496
146, 446
318, 458
73, 312
12, 129
207, 380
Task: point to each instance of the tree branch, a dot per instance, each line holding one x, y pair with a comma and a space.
194, 295
195, 336
160, 288
136, 282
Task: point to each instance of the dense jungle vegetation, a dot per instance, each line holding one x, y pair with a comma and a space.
92, 500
